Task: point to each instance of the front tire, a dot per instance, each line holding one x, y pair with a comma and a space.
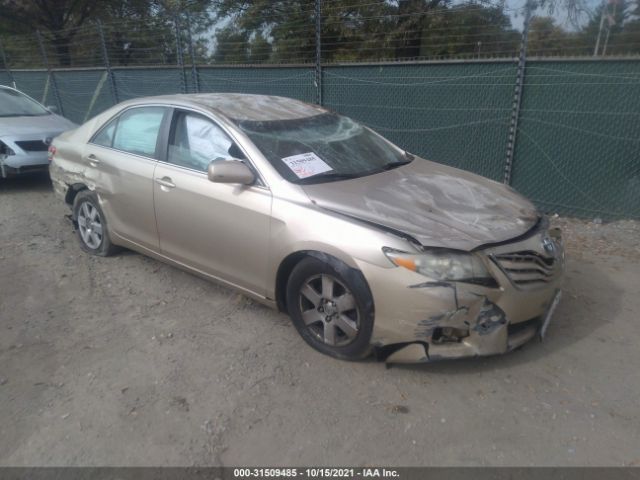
331, 307
91, 224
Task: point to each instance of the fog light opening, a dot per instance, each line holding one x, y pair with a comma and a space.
448, 334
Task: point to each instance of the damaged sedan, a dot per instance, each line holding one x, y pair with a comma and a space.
367, 247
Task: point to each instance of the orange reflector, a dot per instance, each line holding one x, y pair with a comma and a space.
405, 262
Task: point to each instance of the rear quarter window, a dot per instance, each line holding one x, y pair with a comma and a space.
105, 135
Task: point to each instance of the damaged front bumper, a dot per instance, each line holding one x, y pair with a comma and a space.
424, 321
504, 338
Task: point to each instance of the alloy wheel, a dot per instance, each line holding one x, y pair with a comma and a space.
329, 310
90, 225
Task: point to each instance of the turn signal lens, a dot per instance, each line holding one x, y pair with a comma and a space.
408, 263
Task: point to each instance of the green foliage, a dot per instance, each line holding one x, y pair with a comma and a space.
137, 31
468, 30
622, 22
25, 16
143, 32
353, 30
547, 38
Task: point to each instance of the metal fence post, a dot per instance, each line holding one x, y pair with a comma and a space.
179, 57
54, 85
318, 71
5, 66
192, 54
602, 18
517, 94
107, 63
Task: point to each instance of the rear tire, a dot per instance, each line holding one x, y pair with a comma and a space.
91, 225
331, 307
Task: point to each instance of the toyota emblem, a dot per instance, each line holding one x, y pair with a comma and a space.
548, 246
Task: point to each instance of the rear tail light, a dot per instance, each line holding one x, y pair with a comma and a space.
52, 152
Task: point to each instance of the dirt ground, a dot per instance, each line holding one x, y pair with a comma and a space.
127, 361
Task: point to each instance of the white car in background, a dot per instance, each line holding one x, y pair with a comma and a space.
26, 131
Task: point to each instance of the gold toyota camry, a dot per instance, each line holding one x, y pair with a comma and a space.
367, 247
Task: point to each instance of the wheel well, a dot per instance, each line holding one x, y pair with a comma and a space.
289, 263
284, 271
73, 191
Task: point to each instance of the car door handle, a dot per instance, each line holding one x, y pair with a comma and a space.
93, 160
165, 182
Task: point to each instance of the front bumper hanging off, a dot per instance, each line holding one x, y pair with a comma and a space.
504, 338
417, 320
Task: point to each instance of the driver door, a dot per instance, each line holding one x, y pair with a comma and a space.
216, 228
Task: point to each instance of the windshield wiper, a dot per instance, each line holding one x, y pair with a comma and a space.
392, 165
329, 176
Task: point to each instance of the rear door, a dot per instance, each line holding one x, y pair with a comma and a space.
219, 229
120, 160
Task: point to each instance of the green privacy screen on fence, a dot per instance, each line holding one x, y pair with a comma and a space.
578, 149
578, 138
456, 114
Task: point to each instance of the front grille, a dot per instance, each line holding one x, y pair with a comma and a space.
526, 268
33, 145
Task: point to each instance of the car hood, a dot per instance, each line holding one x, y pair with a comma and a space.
439, 206
12, 126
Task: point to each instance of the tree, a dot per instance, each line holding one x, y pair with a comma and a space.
353, 30
547, 38
259, 49
470, 30
232, 45
411, 21
60, 18
617, 31
137, 30
277, 23
144, 31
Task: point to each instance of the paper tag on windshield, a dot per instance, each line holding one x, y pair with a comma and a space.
306, 164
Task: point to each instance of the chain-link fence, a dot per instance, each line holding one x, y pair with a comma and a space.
458, 85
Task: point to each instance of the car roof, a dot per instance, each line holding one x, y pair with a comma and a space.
239, 107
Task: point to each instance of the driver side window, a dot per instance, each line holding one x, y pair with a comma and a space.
195, 141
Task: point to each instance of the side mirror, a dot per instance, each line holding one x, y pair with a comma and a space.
52, 108
230, 171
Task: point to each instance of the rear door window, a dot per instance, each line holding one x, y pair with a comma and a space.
138, 129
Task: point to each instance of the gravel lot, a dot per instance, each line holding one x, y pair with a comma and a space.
127, 361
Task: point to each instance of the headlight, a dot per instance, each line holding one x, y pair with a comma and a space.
5, 150
447, 265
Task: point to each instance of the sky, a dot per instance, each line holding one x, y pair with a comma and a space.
560, 14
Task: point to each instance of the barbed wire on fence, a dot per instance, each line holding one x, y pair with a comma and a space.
440, 83
356, 31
